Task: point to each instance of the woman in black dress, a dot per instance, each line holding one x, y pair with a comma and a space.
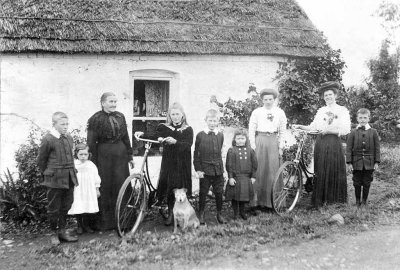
176, 170
332, 121
108, 140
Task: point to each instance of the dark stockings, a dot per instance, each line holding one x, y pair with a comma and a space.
365, 192
357, 190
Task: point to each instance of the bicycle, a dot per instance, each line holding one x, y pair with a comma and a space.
136, 195
288, 183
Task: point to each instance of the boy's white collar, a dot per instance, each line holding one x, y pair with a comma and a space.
367, 126
206, 130
55, 133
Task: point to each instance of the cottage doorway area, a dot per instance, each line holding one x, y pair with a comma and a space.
151, 98
150, 107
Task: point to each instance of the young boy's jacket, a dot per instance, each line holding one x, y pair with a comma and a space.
363, 148
56, 161
207, 153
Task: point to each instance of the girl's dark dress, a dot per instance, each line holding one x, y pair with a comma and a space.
111, 150
176, 170
241, 164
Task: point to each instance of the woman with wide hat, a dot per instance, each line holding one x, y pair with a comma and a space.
332, 121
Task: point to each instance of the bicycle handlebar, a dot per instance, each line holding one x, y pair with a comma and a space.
312, 132
146, 140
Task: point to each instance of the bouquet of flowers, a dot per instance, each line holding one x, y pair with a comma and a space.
329, 117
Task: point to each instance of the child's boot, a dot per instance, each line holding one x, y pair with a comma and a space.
85, 223
241, 210
79, 229
218, 200
63, 234
220, 218
170, 219
66, 236
201, 217
235, 207
54, 239
357, 190
202, 205
53, 226
365, 195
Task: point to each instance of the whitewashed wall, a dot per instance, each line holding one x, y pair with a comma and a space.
36, 85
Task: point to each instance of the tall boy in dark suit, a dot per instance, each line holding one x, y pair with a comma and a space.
56, 162
363, 155
208, 164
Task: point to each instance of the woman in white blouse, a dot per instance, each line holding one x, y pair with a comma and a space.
332, 121
266, 126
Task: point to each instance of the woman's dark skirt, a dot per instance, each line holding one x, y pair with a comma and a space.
330, 169
113, 169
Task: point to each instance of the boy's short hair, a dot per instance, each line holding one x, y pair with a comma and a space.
212, 113
57, 116
364, 111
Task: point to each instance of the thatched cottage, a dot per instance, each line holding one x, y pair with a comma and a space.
62, 55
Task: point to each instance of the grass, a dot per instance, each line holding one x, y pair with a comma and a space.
155, 247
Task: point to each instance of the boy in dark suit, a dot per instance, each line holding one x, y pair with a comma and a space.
56, 162
363, 155
208, 164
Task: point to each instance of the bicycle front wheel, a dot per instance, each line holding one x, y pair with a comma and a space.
286, 188
131, 205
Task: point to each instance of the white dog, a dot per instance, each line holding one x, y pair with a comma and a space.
184, 214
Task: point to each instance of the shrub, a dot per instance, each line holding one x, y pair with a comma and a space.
23, 198
236, 113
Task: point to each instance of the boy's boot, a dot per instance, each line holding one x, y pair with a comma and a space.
63, 234
241, 210
365, 195
170, 218
357, 190
66, 236
202, 206
235, 208
253, 210
85, 223
218, 199
79, 221
54, 235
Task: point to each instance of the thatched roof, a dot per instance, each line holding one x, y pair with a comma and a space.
234, 27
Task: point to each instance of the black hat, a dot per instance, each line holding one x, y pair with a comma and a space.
268, 92
334, 86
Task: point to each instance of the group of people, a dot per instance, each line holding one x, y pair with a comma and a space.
251, 163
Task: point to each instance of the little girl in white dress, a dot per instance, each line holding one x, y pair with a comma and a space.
87, 192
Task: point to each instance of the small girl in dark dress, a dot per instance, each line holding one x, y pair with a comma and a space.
241, 165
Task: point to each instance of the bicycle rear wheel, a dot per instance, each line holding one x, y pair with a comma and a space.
286, 188
131, 205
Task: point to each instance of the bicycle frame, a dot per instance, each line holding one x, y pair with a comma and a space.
299, 159
144, 170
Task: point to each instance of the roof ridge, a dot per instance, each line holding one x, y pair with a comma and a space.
160, 22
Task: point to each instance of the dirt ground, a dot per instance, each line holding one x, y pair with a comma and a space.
369, 249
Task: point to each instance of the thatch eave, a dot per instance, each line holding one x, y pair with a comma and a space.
226, 27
